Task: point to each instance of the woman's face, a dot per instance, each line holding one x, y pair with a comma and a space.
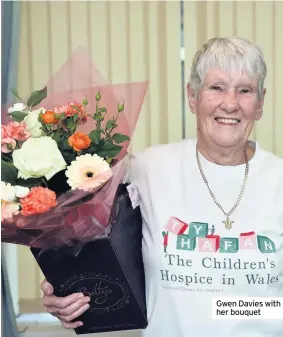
226, 108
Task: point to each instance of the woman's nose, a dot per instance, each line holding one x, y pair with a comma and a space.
230, 102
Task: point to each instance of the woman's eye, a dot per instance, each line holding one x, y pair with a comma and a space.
245, 91
216, 87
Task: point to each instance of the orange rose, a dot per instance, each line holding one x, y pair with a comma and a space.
49, 117
79, 141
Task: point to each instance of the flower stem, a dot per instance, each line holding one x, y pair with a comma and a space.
44, 181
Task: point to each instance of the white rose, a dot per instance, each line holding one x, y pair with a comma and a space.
33, 125
7, 192
21, 192
17, 107
38, 157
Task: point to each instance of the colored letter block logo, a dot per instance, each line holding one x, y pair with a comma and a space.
198, 229
185, 242
265, 245
248, 240
199, 233
176, 226
229, 245
209, 244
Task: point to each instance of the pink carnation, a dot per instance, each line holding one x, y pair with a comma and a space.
18, 131
10, 133
39, 200
8, 144
71, 109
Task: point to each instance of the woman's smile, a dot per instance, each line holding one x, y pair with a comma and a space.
227, 121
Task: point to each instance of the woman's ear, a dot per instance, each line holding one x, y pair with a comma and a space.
260, 106
191, 98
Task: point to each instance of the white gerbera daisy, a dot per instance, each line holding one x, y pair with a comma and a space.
88, 172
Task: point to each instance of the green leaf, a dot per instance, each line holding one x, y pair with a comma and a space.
94, 136
109, 153
111, 124
65, 133
109, 150
18, 116
44, 128
64, 145
75, 117
37, 96
69, 123
48, 128
100, 131
119, 138
67, 151
9, 173
56, 137
15, 93
108, 143
32, 182
91, 149
98, 117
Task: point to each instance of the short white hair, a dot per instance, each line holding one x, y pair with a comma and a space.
228, 54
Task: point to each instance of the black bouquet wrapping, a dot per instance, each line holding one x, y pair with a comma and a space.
109, 270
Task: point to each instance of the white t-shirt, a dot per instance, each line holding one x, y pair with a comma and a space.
189, 255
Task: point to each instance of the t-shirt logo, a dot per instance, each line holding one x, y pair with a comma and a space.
200, 235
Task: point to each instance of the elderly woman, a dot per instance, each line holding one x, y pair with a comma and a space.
212, 209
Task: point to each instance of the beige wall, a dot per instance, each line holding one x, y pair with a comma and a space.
134, 41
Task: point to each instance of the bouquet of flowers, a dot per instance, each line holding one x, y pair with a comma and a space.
44, 156
63, 160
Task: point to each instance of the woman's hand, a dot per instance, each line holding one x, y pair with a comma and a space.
66, 309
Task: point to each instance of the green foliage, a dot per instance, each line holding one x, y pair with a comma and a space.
108, 149
111, 124
18, 116
94, 135
104, 143
9, 173
37, 97
98, 117
120, 138
67, 151
32, 182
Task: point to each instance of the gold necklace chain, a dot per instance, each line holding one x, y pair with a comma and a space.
228, 223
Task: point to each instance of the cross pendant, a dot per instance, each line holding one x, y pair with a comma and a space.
228, 223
